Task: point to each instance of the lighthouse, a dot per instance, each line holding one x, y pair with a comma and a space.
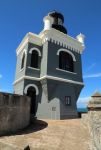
49, 69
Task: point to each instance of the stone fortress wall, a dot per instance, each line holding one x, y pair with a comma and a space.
14, 112
15, 115
92, 121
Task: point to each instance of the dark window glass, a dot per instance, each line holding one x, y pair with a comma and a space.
34, 59
68, 100
23, 60
53, 108
65, 61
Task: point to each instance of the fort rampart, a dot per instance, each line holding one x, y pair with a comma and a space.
14, 112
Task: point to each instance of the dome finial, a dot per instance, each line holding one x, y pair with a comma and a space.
58, 20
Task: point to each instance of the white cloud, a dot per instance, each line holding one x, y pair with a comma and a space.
91, 67
0, 76
96, 75
83, 100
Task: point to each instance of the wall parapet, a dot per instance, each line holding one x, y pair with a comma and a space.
92, 120
14, 112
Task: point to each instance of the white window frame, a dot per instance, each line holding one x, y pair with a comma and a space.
35, 49
69, 52
24, 52
31, 85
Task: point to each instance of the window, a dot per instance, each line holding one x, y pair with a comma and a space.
23, 60
34, 59
53, 108
68, 100
65, 61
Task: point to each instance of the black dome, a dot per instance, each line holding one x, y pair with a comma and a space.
56, 15
58, 25
60, 28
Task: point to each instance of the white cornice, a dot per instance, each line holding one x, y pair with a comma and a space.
63, 80
48, 77
62, 39
29, 37
52, 35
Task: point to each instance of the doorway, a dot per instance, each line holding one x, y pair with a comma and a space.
31, 92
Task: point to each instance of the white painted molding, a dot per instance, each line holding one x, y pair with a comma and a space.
24, 51
33, 68
66, 71
31, 85
21, 70
52, 35
47, 22
81, 38
48, 77
29, 37
21, 46
62, 39
62, 79
35, 49
69, 52
25, 77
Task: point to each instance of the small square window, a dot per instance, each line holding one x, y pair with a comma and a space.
53, 108
68, 100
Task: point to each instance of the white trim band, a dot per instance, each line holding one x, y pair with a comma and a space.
29, 37
62, 39
54, 36
48, 77
66, 71
34, 68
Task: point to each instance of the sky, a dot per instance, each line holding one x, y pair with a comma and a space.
18, 17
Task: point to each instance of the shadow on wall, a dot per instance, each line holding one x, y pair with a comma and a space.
37, 125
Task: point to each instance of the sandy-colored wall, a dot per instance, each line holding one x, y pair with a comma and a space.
92, 121
14, 112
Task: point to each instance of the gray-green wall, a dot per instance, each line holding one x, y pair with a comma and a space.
50, 102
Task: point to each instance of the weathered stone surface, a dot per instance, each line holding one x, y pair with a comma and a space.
14, 112
92, 121
58, 135
71, 134
95, 102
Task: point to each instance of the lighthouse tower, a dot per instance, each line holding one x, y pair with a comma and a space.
49, 69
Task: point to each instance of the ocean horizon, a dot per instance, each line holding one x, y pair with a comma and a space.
82, 109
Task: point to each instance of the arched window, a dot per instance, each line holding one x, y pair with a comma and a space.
65, 61
34, 59
23, 60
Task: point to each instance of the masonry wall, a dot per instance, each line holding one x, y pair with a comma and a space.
18, 87
20, 72
14, 112
32, 72
92, 121
52, 104
53, 64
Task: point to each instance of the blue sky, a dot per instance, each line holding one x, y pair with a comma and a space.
17, 17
